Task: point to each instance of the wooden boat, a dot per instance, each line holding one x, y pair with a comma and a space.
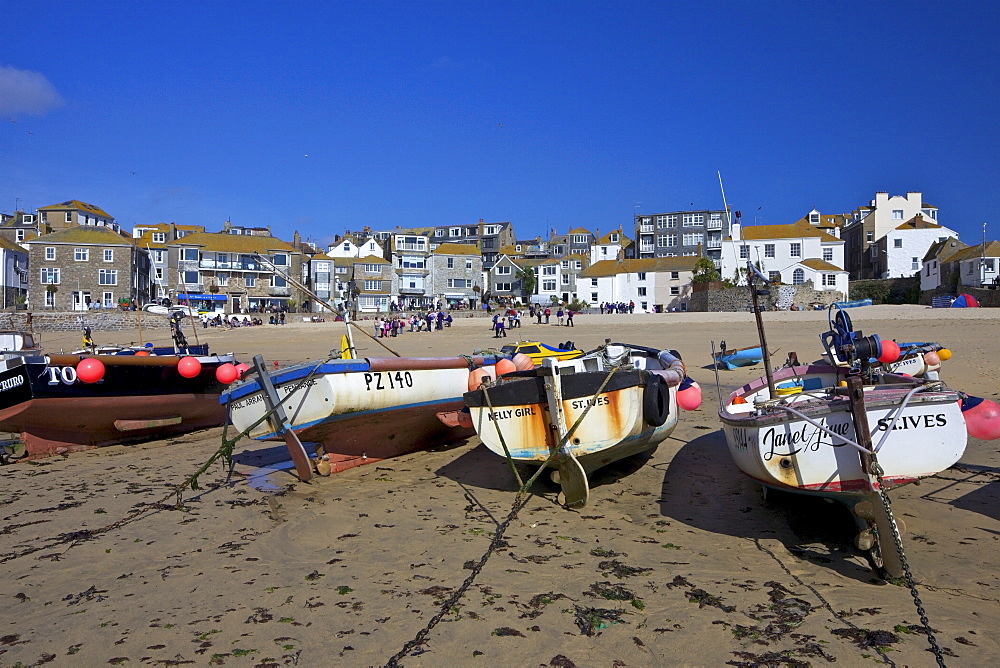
538, 351
581, 414
16, 343
733, 358
136, 397
847, 432
359, 411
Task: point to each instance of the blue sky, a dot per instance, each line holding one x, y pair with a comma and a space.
323, 117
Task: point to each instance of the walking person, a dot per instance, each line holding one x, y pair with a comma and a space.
559, 316
548, 312
569, 317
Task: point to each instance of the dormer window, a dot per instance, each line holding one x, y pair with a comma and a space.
614, 238
814, 218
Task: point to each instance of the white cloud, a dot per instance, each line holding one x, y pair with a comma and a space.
26, 92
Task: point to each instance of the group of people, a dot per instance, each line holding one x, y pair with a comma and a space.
563, 316
617, 307
396, 325
221, 321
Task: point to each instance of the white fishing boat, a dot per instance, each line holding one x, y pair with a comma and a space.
580, 414
848, 431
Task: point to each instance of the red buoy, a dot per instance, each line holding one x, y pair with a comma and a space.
189, 367
689, 395
90, 370
890, 352
982, 418
226, 373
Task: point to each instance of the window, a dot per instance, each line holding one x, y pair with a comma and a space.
828, 254
50, 253
642, 276
280, 259
693, 239
869, 236
158, 274
580, 239
50, 298
250, 280
565, 279
914, 263
159, 237
744, 252
614, 237
549, 270
675, 291
322, 267
108, 277
549, 285
897, 243
502, 287
503, 270
109, 255
373, 269
109, 299
491, 229
451, 263
189, 254
593, 297
19, 235
897, 214
798, 277
768, 250
662, 240
468, 264
593, 282
641, 292
661, 222
795, 250
223, 280
829, 280
81, 254
373, 286
774, 277
455, 232
672, 221
69, 217
191, 278
439, 233
814, 218
50, 276
412, 262
278, 282
459, 282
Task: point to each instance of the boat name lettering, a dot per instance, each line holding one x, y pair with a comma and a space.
513, 412
741, 438
388, 380
61, 374
11, 383
596, 401
914, 422
249, 401
292, 387
805, 438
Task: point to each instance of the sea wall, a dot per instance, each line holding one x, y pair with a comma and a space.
709, 297
68, 321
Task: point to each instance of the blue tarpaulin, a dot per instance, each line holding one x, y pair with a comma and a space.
187, 297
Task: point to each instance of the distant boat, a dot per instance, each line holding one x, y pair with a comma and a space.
853, 304
732, 358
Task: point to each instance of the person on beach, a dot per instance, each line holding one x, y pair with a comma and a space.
548, 312
559, 316
500, 331
569, 317
538, 314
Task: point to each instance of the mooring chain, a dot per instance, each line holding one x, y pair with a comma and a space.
877, 471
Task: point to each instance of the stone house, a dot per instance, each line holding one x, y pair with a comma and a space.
374, 281
73, 213
81, 267
455, 272
154, 238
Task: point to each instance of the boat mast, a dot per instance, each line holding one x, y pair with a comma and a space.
752, 275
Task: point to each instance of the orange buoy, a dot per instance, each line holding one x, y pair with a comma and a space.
523, 362
504, 365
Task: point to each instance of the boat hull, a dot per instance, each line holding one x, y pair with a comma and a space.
44, 401
786, 452
360, 411
740, 357
605, 411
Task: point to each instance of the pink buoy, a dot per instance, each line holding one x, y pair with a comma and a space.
242, 368
689, 395
932, 359
890, 352
523, 362
226, 373
982, 418
189, 367
476, 379
90, 370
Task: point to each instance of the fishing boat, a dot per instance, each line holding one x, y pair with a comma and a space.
848, 431
359, 411
578, 415
734, 358
65, 402
17, 343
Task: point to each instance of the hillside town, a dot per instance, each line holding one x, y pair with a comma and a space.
74, 256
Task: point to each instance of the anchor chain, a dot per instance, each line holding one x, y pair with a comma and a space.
877, 471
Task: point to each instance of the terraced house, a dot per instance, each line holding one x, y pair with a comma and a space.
81, 267
214, 267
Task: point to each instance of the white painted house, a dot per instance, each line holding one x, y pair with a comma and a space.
791, 254
650, 282
348, 246
900, 253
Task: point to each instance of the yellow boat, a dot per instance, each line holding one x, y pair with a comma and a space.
539, 351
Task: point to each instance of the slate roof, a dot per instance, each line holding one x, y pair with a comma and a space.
233, 243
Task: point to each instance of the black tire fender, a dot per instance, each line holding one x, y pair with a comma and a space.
655, 401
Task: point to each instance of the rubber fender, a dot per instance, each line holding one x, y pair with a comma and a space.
655, 401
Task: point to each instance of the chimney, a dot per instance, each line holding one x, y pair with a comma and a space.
296, 239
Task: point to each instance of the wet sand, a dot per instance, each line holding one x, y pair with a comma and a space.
677, 560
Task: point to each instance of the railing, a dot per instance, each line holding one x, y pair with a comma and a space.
412, 291
647, 248
279, 292
713, 243
647, 228
412, 247
239, 266
713, 225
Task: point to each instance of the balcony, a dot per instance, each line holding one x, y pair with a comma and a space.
237, 266
412, 291
713, 243
421, 248
648, 228
647, 248
279, 292
713, 225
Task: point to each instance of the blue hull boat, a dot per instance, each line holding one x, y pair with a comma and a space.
733, 358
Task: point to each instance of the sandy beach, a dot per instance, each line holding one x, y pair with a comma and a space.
677, 560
